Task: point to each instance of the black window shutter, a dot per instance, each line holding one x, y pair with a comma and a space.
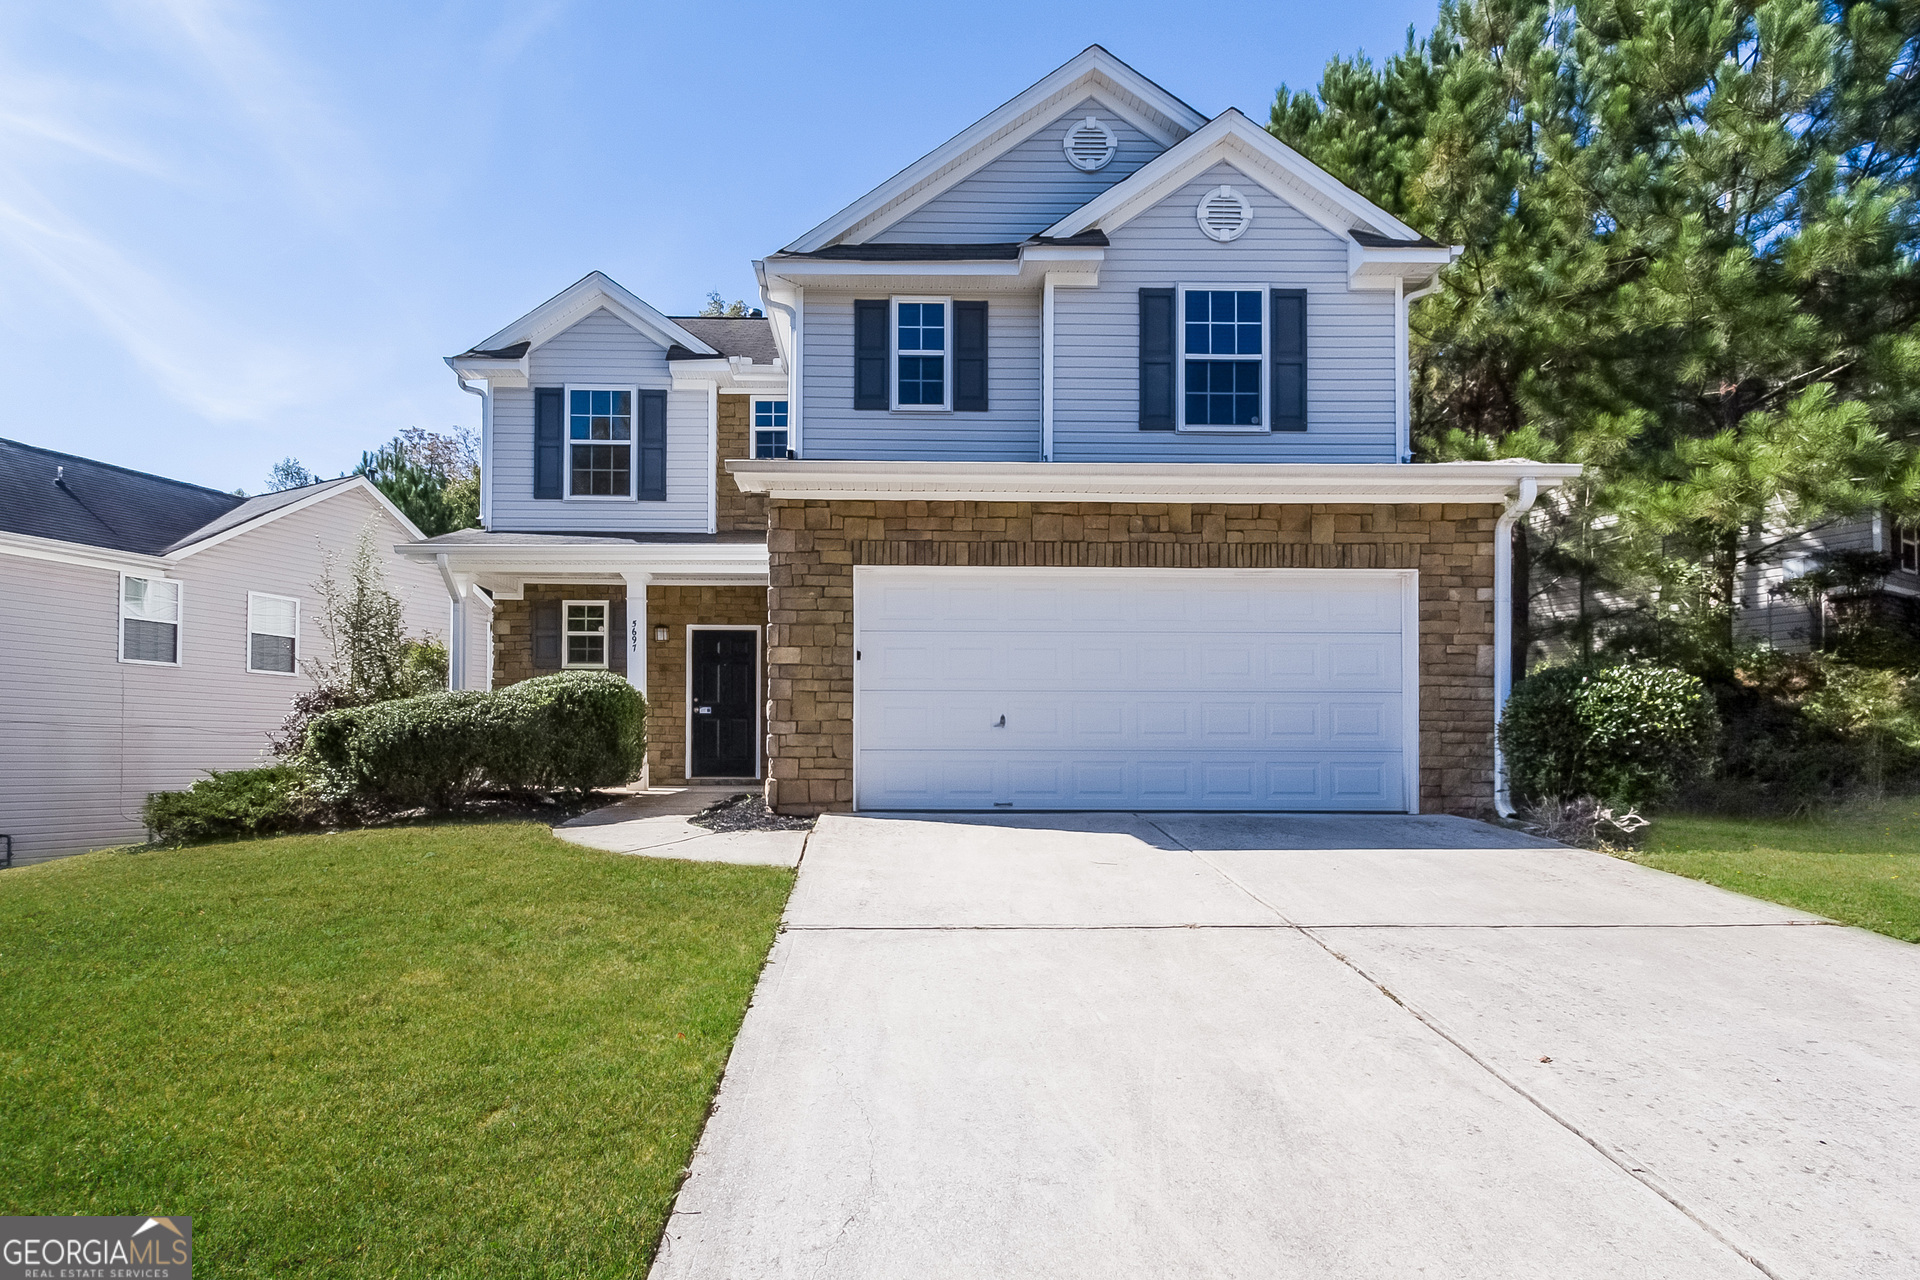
617, 635
970, 356
1289, 368
1156, 359
653, 446
870, 350
549, 415
546, 635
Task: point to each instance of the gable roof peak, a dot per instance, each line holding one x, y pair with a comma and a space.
1094, 71
592, 292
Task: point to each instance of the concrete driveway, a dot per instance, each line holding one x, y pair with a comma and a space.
1153, 1045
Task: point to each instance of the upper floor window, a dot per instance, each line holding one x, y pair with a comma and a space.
273, 633
585, 641
769, 428
150, 620
599, 442
1223, 358
920, 353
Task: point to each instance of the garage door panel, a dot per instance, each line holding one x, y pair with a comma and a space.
1066, 780
1069, 608
1091, 689
928, 721
1147, 663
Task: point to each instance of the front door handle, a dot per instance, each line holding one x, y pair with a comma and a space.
703, 711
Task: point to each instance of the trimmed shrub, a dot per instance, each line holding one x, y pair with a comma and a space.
573, 731
239, 802
1627, 734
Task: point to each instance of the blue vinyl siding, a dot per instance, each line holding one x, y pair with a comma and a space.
1350, 351
601, 349
1026, 190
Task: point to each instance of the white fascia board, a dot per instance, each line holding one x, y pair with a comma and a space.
1307, 186
1369, 268
498, 373
1093, 71
1028, 271
729, 374
81, 555
1251, 482
356, 484
741, 560
590, 293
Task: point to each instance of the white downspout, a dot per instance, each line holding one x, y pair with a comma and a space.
1403, 338
457, 640
1517, 506
1046, 370
486, 446
796, 400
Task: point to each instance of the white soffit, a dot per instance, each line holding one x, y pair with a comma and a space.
593, 292
1094, 74
1146, 482
1236, 140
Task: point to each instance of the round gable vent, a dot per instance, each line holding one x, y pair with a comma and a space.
1224, 214
1090, 145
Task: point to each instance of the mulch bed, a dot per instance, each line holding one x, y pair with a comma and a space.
746, 812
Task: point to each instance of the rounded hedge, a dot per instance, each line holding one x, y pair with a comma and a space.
573, 731
1626, 734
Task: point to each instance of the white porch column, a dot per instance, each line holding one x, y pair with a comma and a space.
636, 637
457, 585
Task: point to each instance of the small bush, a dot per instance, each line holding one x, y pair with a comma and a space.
239, 802
573, 731
1625, 734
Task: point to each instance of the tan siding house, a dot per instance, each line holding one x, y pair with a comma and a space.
87, 729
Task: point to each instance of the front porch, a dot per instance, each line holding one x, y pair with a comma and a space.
681, 617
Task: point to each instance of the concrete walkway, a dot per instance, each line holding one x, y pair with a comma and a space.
653, 824
1152, 1045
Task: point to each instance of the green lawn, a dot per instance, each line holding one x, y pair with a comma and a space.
453, 1050
1860, 865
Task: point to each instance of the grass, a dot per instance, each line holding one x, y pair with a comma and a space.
1860, 865
450, 1050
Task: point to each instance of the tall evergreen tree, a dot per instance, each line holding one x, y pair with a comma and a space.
1689, 231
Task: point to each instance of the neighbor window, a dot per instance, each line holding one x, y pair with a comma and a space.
920, 354
273, 633
599, 442
1223, 358
769, 428
586, 635
150, 620
1907, 538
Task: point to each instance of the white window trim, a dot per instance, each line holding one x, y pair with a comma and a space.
894, 353
606, 636
179, 620
1180, 358
1905, 535
759, 700
753, 430
566, 437
295, 602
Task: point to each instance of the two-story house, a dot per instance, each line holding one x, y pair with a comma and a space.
1093, 492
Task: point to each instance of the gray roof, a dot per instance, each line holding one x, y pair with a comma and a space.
1004, 251
502, 538
1374, 240
45, 494
749, 336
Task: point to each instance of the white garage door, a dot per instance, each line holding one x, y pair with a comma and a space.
1134, 688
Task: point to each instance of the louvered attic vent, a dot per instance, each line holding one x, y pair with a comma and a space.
1090, 145
1224, 214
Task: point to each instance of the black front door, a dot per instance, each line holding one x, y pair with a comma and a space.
724, 694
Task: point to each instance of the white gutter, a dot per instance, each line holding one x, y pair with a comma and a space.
486, 444
1517, 506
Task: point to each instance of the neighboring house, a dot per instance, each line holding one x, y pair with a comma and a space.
154, 630
1772, 615
1085, 481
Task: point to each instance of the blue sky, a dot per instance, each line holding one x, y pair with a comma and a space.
232, 232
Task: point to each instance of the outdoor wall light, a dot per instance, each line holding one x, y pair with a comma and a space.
659, 635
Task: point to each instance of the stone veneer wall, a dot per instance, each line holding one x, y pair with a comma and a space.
671, 607
513, 631
814, 546
735, 510
674, 608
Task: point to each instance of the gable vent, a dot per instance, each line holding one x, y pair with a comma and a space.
1090, 145
1224, 214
